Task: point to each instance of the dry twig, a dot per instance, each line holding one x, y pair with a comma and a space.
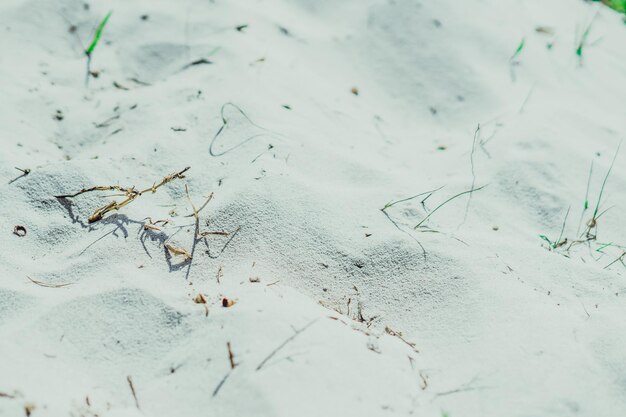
231, 356
132, 389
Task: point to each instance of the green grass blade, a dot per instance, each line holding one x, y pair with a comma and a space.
595, 212
619, 5
518, 50
446, 202
583, 39
547, 239
98, 34
392, 203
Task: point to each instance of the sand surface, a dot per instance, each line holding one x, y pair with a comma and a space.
304, 123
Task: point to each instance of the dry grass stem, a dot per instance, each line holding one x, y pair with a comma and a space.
231, 356
129, 192
397, 334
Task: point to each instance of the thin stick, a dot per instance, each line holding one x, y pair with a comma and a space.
231, 356
282, 345
132, 389
219, 386
446, 202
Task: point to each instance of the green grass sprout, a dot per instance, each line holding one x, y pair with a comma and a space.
519, 49
94, 43
583, 38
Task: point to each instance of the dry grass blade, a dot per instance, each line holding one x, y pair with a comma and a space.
45, 284
196, 215
130, 192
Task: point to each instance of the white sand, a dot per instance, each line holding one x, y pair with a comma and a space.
502, 326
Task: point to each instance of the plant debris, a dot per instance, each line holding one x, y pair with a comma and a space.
176, 251
19, 231
201, 299
45, 284
231, 356
28, 409
228, 302
397, 334
130, 192
201, 61
132, 389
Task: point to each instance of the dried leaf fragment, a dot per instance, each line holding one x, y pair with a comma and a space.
176, 251
228, 302
200, 299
